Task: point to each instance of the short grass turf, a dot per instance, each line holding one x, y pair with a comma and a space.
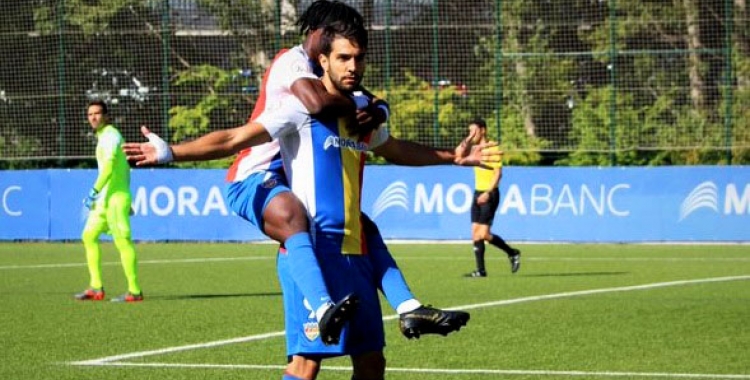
214, 311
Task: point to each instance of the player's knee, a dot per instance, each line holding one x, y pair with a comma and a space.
285, 214
89, 236
122, 242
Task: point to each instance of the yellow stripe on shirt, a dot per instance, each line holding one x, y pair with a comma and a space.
351, 166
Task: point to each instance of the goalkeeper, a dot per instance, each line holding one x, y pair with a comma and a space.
109, 209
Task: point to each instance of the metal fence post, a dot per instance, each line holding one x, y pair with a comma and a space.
728, 77
388, 67
166, 54
61, 79
613, 82
435, 73
499, 68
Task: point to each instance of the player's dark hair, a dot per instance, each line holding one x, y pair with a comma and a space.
99, 103
325, 12
479, 122
339, 29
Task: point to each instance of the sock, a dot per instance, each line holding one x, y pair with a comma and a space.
93, 258
306, 271
290, 377
407, 306
319, 312
392, 281
497, 241
129, 261
479, 254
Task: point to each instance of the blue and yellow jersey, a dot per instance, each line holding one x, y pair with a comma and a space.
484, 178
324, 166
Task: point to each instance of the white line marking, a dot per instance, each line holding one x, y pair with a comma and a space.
109, 360
164, 261
431, 258
448, 371
600, 291
169, 350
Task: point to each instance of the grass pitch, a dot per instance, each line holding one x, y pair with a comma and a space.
214, 311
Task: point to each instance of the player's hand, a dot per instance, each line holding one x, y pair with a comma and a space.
464, 148
90, 199
371, 117
155, 151
478, 155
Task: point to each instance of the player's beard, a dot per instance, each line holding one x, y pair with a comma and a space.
346, 88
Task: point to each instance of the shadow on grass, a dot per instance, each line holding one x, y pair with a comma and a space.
575, 274
212, 296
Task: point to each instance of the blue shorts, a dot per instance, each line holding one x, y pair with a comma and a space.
343, 274
248, 198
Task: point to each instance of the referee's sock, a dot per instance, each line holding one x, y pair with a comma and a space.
497, 241
479, 254
305, 270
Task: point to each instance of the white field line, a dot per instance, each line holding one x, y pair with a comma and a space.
109, 359
431, 258
448, 371
113, 360
164, 261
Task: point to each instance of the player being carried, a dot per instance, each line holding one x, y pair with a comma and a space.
327, 179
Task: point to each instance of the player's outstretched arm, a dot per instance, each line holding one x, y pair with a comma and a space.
218, 144
409, 153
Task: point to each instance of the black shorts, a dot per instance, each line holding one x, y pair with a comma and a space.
485, 213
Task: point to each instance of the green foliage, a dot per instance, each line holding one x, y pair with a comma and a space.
521, 149
90, 17
199, 115
14, 144
668, 62
413, 112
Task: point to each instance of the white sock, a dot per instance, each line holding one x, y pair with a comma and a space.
408, 305
322, 310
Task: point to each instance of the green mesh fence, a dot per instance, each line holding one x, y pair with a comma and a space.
566, 82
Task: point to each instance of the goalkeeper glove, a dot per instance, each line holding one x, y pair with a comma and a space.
90, 199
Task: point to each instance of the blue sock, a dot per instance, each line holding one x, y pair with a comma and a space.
305, 270
392, 281
290, 377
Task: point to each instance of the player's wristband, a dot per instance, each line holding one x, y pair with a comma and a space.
163, 151
385, 110
360, 99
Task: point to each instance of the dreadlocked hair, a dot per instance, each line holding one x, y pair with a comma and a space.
324, 12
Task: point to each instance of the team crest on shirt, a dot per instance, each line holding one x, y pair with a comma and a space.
312, 331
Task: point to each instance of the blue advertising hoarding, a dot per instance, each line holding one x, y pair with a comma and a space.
24, 204
567, 204
662, 204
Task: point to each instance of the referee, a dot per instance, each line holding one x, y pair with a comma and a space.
484, 206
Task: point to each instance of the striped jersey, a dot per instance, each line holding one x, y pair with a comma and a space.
483, 178
324, 166
288, 66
